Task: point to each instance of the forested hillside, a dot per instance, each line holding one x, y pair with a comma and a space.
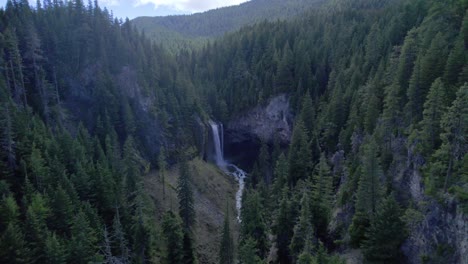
185, 31
376, 170
379, 145
86, 103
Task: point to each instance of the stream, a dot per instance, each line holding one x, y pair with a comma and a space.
231, 169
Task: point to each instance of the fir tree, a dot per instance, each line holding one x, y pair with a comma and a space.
55, 250
253, 225
173, 234
303, 230
248, 252
299, 154
284, 228
322, 191
434, 107
386, 233
368, 193
185, 195
226, 249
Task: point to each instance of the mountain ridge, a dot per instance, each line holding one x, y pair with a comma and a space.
214, 23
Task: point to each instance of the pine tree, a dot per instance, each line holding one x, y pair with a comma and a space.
407, 59
185, 195
303, 230
427, 69
162, 170
82, 245
264, 163
386, 233
9, 211
415, 94
133, 165
121, 242
455, 63
285, 72
253, 224
13, 247
62, 209
248, 252
308, 114
226, 249
434, 107
368, 193
36, 229
173, 234
55, 250
188, 248
281, 176
284, 228
453, 148
322, 191
7, 138
39, 170
306, 256
299, 154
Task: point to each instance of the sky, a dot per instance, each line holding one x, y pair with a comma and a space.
135, 8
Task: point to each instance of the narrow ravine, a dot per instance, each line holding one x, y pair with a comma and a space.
239, 174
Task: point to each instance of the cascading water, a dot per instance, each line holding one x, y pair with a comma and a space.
218, 144
218, 140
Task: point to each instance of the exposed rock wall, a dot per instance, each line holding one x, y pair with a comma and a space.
274, 119
441, 237
244, 133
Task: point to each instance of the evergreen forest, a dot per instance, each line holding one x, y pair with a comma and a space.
106, 145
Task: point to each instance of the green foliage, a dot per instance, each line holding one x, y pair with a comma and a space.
185, 195
447, 160
369, 190
322, 195
358, 227
299, 154
181, 32
173, 234
253, 226
248, 252
386, 233
83, 240
434, 108
281, 176
283, 228
303, 230
85, 100
226, 249
55, 250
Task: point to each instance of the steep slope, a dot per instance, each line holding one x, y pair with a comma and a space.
378, 154
213, 191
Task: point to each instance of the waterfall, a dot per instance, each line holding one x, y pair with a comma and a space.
233, 170
218, 144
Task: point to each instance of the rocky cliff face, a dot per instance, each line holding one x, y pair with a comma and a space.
263, 122
438, 232
244, 133
441, 236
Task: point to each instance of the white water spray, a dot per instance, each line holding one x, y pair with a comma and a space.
218, 140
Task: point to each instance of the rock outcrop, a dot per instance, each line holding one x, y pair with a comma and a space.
441, 237
263, 122
244, 133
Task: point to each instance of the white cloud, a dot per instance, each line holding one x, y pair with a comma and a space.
110, 2
189, 5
